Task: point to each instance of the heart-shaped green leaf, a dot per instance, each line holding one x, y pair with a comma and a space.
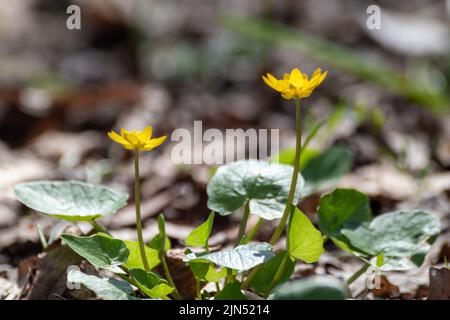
99, 249
107, 289
312, 288
397, 234
151, 284
304, 240
200, 235
231, 291
264, 185
326, 169
70, 200
262, 281
241, 258
343, 208
135, 260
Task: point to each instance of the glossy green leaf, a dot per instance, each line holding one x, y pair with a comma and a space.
262, 281
241, 258
107, 289
264, 185
200, 235
135, 260
99, 249
231, 291
326, 169
398, 234
304, 240
70, 200
206, 272
343, 208
151, 284
312, 288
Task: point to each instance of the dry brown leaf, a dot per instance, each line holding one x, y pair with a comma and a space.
439, 284
47, 275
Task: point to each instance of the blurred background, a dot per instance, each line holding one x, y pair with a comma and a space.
386, 101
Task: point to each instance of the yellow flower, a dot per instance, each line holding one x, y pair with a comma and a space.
295, 85
137, 140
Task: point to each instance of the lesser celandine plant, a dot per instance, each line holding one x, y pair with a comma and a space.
296, 86
392, 241
138, 141
293, 86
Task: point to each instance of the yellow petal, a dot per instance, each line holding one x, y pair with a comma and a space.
129, 146
296, 78
286, 76
305, 93
153, 143
289, 94
317, 72
323, 76
123, 131
115, 137
272, 78
146, 134
131, 138
271, 81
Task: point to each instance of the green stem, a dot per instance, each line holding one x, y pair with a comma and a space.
358, 273
41, 235
137, 199
249, 278
197, 288
230, 277
253, 231
243, 224
278, 274
175, 293
298, 150
98, 227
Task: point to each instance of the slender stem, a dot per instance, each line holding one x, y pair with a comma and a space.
98, 227
41, 235
298, 150
230, 277
197, 288
175, 293
358, 273
249, 278
217, 287
276, 278
253, 231
137, 199
243, 224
